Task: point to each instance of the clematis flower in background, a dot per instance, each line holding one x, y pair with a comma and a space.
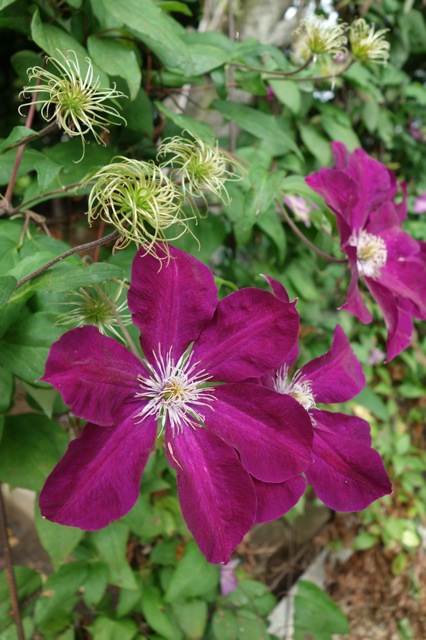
225, 441
347, 474
420, 203
361, 191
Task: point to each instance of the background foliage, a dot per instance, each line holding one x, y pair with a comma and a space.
143, 577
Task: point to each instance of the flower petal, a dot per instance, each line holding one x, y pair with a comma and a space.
354, 301
251, 332
271, 431
279, 292
347, 474
95, 374
170, 301
98, 479
275, 499
336, 376
216, 494
398, 314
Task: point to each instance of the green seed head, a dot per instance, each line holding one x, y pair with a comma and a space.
139, 201
75, 99
367, 44
201, 167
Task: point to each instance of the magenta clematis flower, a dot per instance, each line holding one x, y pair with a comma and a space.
347, 474
225, 440
361, 192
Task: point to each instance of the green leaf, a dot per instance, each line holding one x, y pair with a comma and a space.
191, 617
5, 3
139, 115
17, 133
157, 30
54, 607
338, 126
316, 614
65, 276
117, 59
6, 388
153, 610
250, 626
259, 124
53, 40
7, 287
58, 541
95, 583
171, 6
108, 629
224, 625
111, 544
193, 576
201, 129
47, 171
371, 114
26, 344
363, 541
129, 600
367, 398
317, 144
287, 92
30, 448
44, 398
252, 595
207, 57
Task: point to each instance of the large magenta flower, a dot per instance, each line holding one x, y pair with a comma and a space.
347, 474
225, 441
361, 192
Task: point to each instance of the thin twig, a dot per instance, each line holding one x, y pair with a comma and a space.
274, 72
34, 136
305, 240
48, 194
8, 561
82, 247
317, 78
120, 323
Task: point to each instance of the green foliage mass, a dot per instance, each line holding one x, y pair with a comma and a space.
143, 577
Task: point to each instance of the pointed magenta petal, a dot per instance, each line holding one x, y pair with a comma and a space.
95, 374
398, 314
337, 376
355, 303
98, 479
347, 474
216, 494
251, 332
278, 289
171, 301
274, 500
271, 431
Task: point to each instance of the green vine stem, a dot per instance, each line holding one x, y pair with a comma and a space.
274, 72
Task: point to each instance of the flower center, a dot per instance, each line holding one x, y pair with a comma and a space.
175, 392
297, 387
371, 253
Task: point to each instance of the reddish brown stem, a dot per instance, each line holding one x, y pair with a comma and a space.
19, 154
8, 561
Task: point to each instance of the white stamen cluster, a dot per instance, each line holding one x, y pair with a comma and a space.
297, 387
174, 392
371, 253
